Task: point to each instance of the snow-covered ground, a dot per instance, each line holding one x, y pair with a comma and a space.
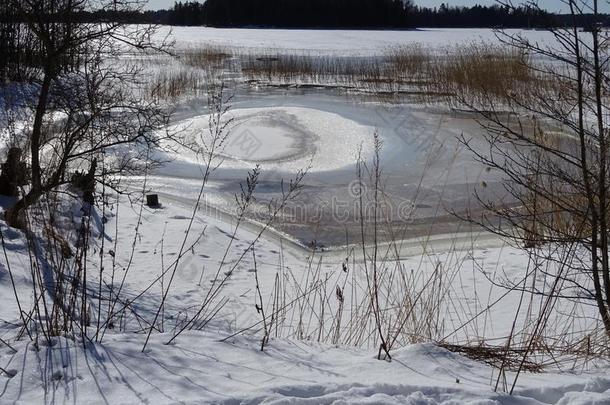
199, 369
213, 366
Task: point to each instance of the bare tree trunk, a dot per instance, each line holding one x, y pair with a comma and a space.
14, 215
585, 172
36, 135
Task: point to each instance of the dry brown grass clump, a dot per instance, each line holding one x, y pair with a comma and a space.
311, 69
410, 62
481, 71
499, 357
171, 84
205, 57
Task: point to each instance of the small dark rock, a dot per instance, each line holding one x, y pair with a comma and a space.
152, 200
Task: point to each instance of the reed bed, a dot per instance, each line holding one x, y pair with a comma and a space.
171, 84
474, 74
481, 73
205, 57
472, 71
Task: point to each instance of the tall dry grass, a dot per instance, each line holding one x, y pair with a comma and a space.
308, 69
475, 71
409, 62
189, 72
480, 71
171, 84
205, 57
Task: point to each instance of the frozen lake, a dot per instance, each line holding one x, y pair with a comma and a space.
335, 42
427, 172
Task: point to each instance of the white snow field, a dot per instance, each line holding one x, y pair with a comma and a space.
332, 42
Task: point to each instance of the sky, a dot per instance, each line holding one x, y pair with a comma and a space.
551, 5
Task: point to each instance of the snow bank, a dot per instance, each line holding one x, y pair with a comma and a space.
200, 369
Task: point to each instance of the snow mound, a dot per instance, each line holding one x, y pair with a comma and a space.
201, 369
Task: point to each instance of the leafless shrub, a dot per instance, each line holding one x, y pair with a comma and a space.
371, 299
549, 142
78, 113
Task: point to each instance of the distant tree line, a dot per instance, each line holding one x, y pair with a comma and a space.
294, 13
349, 14
398, 14
480, 17
358, 14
